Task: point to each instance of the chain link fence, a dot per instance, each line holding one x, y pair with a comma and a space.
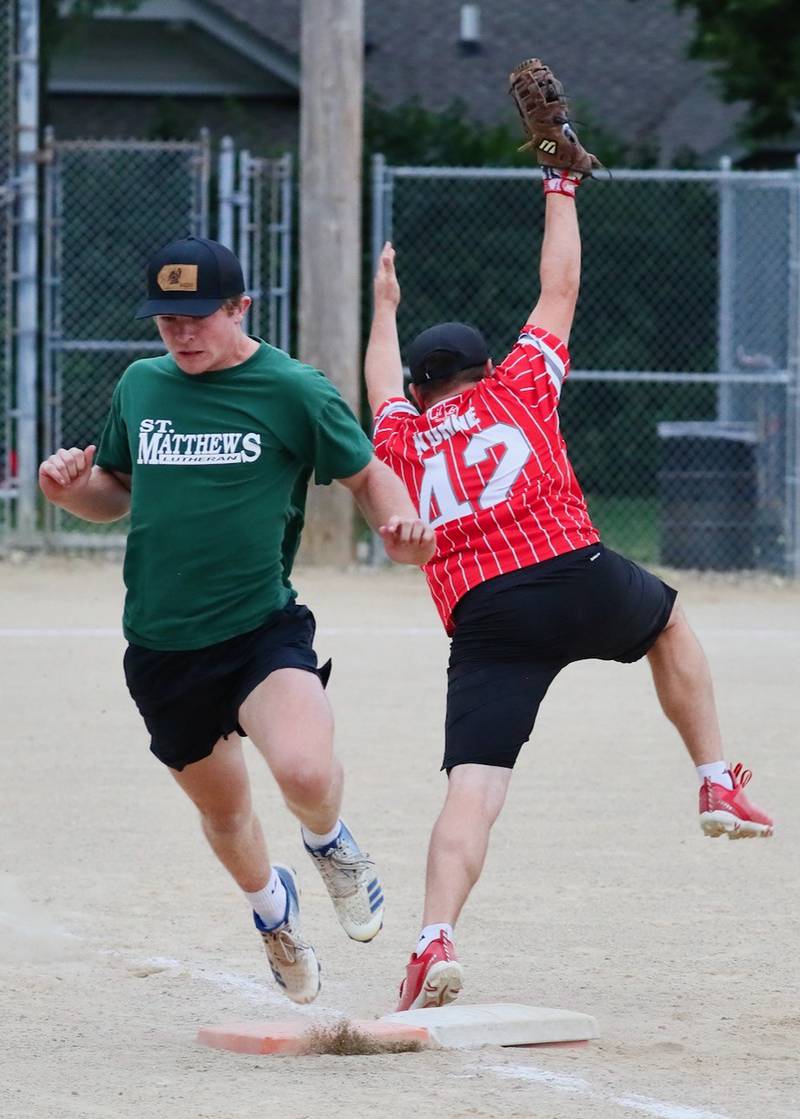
108, 205
105, 206
681, 415
683, 412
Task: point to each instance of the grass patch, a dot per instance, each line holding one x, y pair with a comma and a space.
629, 525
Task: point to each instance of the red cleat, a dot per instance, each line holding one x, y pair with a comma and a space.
729, 812
433, 978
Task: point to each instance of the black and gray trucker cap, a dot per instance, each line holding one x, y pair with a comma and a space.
193, 276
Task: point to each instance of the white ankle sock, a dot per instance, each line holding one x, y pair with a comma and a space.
716, 772
429, 933
316, 841
270, 903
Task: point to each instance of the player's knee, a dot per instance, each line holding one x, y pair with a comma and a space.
226, 820
308, 783
477, 795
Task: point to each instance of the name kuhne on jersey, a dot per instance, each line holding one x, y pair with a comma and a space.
161, 445
452, 423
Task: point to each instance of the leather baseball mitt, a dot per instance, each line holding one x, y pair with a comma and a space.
540, 99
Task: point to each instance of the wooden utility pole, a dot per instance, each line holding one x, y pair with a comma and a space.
331, 118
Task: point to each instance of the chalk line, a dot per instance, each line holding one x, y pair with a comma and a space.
574, 1085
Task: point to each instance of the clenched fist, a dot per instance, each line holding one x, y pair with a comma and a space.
66, 470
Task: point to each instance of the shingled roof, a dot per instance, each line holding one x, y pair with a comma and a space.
624, 60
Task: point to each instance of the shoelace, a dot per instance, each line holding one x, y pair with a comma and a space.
354, 867
740, 775
287, 944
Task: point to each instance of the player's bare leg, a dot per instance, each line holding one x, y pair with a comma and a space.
460, 838
220, 788
685, 690
289, 719
456, 854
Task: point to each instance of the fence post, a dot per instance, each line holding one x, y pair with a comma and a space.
200, 216
255, 186
727, 266
227, 159
793, 388
378, 207
27, 267
49, 296
242, 200
286, 221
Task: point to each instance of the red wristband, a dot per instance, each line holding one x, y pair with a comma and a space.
559, 180
560, 186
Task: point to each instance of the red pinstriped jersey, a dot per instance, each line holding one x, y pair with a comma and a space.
488, 469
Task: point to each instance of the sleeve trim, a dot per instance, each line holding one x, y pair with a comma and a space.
552, 349
394, 406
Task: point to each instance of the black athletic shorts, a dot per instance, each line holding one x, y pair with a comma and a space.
515, 633
191, 699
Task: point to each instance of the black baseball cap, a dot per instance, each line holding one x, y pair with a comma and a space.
193, 276
440, 351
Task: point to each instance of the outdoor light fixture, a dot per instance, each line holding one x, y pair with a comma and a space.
470, 29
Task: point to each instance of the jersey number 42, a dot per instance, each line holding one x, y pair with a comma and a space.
438, 502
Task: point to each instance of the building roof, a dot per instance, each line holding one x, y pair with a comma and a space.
173, 47
622, 61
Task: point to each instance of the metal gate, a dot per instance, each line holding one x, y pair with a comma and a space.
256, 221
107, 204
759, 339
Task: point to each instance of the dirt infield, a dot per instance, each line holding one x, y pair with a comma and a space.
119, 935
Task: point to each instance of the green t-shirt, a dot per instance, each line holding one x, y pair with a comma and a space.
220, 464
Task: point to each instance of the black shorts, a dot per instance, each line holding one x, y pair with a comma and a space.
515, 633
191, 699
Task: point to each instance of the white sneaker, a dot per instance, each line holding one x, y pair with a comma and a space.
293, 962
353, 885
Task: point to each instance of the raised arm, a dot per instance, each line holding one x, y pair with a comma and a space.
70, 480
560, 264
383, 366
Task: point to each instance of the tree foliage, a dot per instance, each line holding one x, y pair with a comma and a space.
410, 134
755, 48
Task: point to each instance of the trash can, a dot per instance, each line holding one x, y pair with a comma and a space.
708, 495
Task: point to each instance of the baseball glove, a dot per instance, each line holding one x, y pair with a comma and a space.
540, 99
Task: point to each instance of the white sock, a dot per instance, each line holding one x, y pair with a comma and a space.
270, 903
716, 772
431, 932
315, 841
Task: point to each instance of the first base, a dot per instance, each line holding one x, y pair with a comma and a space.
457, 1026
444, 1027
